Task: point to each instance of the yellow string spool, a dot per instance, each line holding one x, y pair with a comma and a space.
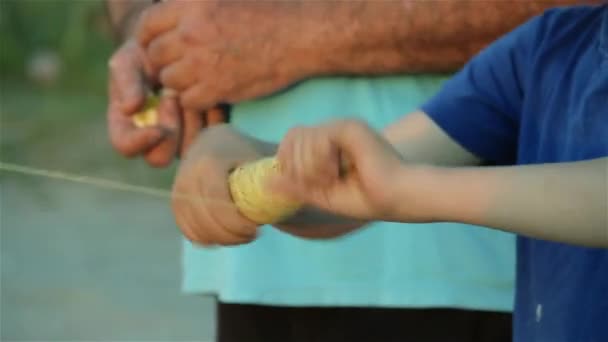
248, 189
247, 183
148, 116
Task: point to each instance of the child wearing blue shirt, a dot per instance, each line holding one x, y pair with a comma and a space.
537, 96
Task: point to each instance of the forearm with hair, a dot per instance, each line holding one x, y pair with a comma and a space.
384, 37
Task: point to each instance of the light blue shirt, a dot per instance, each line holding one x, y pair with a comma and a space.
384, 265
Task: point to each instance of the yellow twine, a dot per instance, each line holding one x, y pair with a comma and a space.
251, 196
247, 186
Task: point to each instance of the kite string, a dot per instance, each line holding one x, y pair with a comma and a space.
101, 182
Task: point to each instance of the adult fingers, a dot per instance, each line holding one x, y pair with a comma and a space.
127, 80
180, 75
286, 153
165, 49
200, 97
156, 20
192, 124
228, 223
169, 120
127, 139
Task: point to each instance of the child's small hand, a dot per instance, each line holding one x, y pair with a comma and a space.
313, 161
309, 157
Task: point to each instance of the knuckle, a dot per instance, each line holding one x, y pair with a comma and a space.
189, 34
170, 81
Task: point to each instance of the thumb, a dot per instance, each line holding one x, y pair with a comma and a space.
127, 78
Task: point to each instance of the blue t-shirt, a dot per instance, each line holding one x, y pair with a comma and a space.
385, 265
540, 95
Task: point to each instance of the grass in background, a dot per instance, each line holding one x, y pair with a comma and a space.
77, 31
57, 120
73, 255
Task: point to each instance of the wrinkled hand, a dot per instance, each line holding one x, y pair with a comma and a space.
201, 200
343, 167
129, 86
127, 93
220, 52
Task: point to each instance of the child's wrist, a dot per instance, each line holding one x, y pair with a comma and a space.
423, 194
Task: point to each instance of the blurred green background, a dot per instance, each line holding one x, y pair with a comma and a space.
78, 262
53, 58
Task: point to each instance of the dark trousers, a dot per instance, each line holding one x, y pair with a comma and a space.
252, 323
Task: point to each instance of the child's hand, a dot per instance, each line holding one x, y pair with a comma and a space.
343, 167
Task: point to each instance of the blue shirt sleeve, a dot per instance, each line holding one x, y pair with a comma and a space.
480, 106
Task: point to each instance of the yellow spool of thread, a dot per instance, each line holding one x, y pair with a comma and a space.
148, 116
247, 183
248, 189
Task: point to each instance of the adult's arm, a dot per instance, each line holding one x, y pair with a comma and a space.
224, 51
129, 78
385, 37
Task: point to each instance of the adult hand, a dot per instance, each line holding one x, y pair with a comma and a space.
128, 89
201, 202
129, 86
220, 52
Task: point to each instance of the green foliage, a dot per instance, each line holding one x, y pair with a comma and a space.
77, 31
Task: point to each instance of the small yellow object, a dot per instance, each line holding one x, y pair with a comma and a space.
248, 189
148, 116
